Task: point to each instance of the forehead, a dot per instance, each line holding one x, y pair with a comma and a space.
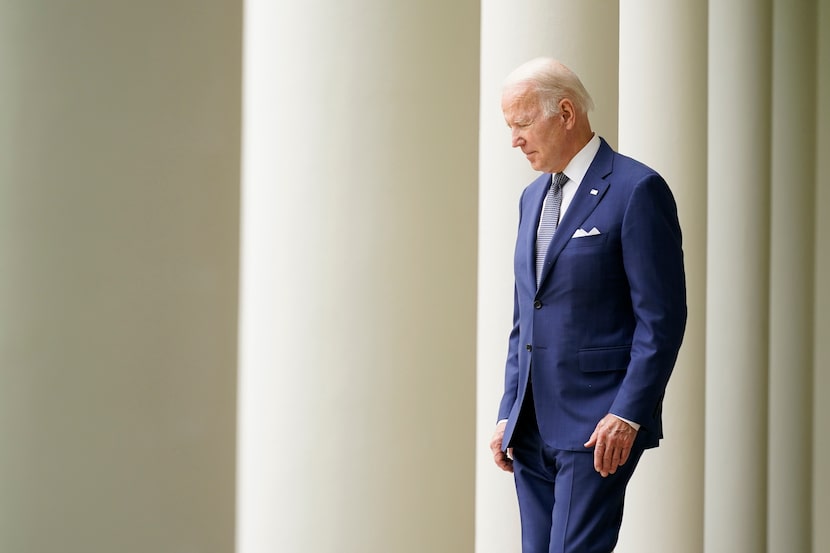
518, 100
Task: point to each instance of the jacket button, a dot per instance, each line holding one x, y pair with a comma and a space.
529, 347
537, 304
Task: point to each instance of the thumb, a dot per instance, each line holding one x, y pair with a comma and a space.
592, 440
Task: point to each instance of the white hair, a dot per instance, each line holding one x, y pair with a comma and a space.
553, 82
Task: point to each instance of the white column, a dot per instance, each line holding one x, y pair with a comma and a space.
357, 340
791, 275
584, 36
821, 308
663, 123
738, 277
119, 179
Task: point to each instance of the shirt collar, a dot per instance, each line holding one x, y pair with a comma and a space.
579, 164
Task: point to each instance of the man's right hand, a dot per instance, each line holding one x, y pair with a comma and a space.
502, 459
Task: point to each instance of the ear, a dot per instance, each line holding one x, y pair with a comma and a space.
567, 112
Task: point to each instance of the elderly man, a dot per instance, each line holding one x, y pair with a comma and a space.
599, 316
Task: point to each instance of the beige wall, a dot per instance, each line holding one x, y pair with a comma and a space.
119, 133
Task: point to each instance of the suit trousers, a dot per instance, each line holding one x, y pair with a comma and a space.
565, 506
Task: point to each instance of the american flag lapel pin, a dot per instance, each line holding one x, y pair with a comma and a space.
594, 192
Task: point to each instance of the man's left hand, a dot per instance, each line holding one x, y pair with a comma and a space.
612, 440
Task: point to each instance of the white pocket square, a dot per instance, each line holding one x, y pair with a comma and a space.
582, 233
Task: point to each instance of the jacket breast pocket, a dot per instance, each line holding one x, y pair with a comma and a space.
585, 241
604, 359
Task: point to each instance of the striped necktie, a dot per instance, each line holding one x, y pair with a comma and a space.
548, 222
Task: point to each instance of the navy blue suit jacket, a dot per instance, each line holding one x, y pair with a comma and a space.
604, 327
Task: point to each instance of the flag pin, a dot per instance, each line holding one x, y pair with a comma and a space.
594, 192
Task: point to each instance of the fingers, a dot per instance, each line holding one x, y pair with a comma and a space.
495, 441
607, 458
602, 459
501, 458
503, 461
612, 441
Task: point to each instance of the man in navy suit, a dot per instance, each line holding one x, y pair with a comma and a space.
599, 316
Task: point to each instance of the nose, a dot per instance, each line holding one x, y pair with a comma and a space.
517, 138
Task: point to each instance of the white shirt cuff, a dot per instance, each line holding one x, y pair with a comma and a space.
632, 424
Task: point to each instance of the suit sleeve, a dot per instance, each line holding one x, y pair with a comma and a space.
511, 368
653, 261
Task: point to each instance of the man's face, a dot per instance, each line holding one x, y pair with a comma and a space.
540, 138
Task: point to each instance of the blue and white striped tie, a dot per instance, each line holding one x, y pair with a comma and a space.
548, 222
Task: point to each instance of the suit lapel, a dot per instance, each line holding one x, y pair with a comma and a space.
591, 190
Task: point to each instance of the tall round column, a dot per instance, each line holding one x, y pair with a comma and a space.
737, 316
821, 309
357, 338
663, 124
792, 273
583, 35
119, 215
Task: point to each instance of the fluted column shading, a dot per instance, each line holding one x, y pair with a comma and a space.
662, 123
792, 246
821, 308
357, 336
737, 312
583, 35
119, 184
